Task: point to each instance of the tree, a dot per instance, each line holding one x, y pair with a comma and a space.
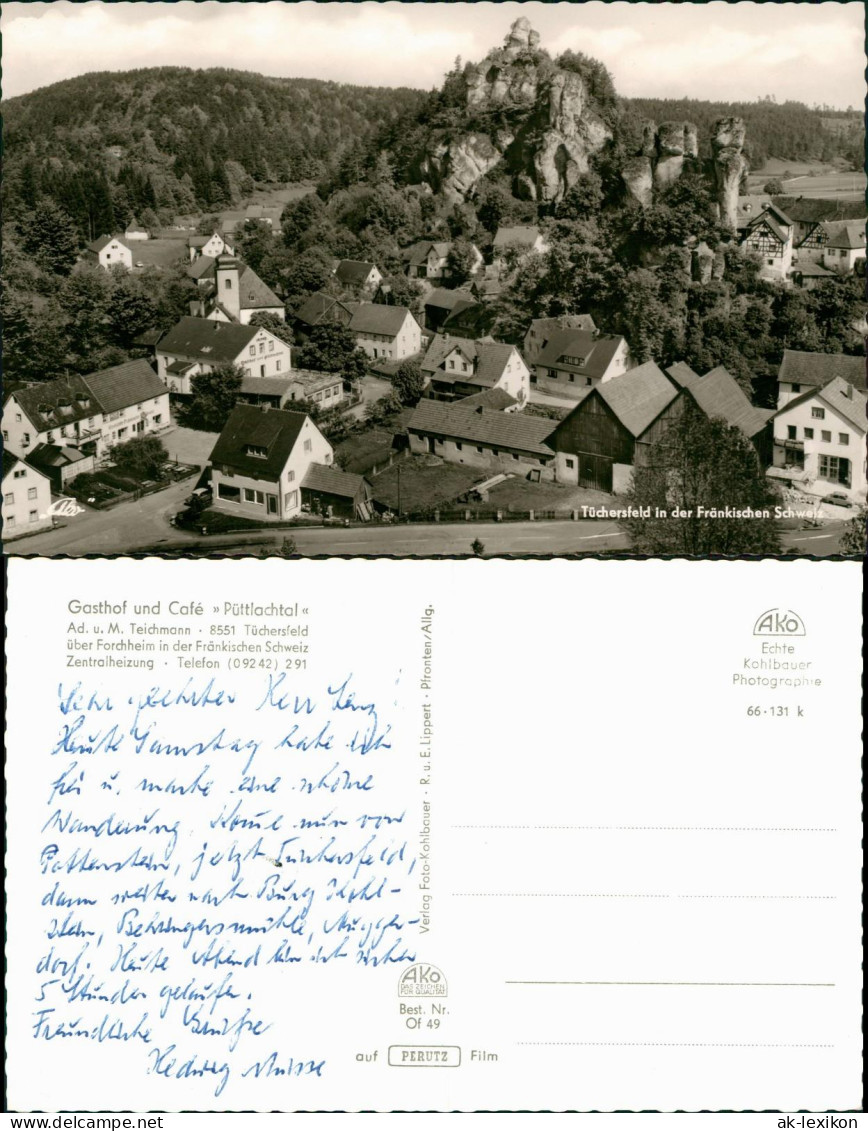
408, 382
698, 473
274, 324
853, 540
478, 547
461, 262
214, 393
774, 187
49, 235
331, 348
142, 457
130, 310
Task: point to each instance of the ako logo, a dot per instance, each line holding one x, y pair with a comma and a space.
779, 622
422, 980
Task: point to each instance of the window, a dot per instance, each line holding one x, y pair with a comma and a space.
308, 445
251, 496
17, 417
553, 373
229, 493
459, 447
835, 469
570, 464
255, 450
290, 476
262, 347
31, 492
843, 438
157, 418
572, 376
9, 499
253, 351
290, 499
20, 473
33, 516
277, 365
227, 284
589, 380
515, 455
818, 413
25, 439
826, 436
770, 262
270, 346
50, 437
809, 433
262, 371
791, 431
121, 432
796, 388
9, 520
451, 363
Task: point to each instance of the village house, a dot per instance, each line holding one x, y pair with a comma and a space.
197, 345
718, 394
60, 463
91, 413
441, 303
26, 499
769, 233
801, 371
819, 440
460, 367
811, 216
482, 437
520, 240
261, 463
385, 332
356, 275
573, 360
541, 329
318, 309
428, 259
211, 246
326, 390
612, 428
135, 231
108, 252
230, 291
844, 244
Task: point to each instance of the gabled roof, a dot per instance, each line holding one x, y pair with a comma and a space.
812, 271
445, 299
544, 326
332, 481
597, 352
104, 241
768, 220
417, 254
682, 374
267, 386
46, 456
719, 394
802, 368
839, 395
377, 318
521, 235
483, 426
124, 385
638, 396
200, 241
205, 339
202, 267
9, 462
750, 207
315, 307
275, 430
255, 295
847, 235
488, 359
497, 399
807, 210
353, 272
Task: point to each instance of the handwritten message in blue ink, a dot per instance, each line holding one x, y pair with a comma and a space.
198, 834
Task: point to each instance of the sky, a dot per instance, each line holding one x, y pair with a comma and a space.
810, 52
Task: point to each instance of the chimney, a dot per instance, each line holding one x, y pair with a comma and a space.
479, 409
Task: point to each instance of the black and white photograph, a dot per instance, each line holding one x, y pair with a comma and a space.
296, 279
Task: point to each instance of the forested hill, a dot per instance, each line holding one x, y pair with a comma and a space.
790, 131
178, 140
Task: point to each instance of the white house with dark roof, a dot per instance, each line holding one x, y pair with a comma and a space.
110, 251
843, 246
521, 239
801, 370
428, 259
210, 246
196, 345
389, 332
541, 329
573, 360
91, 413
460, 367
261, 461
819, 440
26, 499
358, 275
135, 231
482, 437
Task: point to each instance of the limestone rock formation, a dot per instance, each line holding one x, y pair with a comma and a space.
703, 263
729, 164
661, 156
557, 121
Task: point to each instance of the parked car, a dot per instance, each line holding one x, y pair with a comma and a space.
201, 497
838, 499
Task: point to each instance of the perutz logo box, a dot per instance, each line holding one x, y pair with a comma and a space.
422, 980
424, 1056
779, 622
